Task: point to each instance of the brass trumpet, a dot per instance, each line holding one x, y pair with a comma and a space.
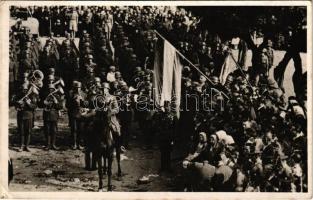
58, 90
59, 82
31, 90
36, 79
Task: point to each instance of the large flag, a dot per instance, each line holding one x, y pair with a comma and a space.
229, 66
167, 75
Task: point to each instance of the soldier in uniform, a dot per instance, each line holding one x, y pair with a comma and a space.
74, 104
52, 103
125, 114
69, 68
25, 106
89, 119
88, 80
165, 124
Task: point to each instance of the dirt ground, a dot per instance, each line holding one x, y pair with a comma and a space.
63, 170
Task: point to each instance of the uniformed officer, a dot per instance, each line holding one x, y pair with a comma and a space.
165, 124
52, 103
25, 105
125, 114
75, 109
89, 119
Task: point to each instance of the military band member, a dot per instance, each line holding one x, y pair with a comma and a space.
52, 104
25, 105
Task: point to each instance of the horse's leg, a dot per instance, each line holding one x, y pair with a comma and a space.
118, 158
99, 160
104, 164
110, 160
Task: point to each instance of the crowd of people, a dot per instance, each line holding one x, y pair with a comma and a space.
253, 140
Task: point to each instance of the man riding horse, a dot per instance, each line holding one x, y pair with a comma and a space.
107, 131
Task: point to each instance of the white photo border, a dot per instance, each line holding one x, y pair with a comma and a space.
4, 109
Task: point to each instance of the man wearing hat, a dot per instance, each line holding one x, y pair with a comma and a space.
75, 109
88, 78
89, 63
88, 119
25, 106
47, 59
69, 68
26, 63
125, 114
52, 103
136, 77
118, 76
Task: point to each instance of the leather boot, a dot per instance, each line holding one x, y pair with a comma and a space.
48, 142
53, 142
27, 143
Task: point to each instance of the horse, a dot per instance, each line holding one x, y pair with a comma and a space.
108, 137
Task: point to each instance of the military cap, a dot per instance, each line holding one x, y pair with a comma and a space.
112, 67
51, 70
89, 56
118, 74
24, 86
215, 79
137, 69
186, 68
97, 79
25, 74
105, 85
86, 44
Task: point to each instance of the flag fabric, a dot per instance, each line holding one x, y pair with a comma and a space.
228, 67
167, 75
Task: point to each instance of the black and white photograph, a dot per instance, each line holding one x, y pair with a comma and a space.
158, 98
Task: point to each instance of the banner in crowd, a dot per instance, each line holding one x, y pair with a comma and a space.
229, 66
167, 75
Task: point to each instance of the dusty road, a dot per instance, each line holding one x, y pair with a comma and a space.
63, 170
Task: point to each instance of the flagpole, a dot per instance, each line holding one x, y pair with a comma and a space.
185, 58
231, 55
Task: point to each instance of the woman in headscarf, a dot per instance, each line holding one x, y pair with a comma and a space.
214, 150
200, 149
